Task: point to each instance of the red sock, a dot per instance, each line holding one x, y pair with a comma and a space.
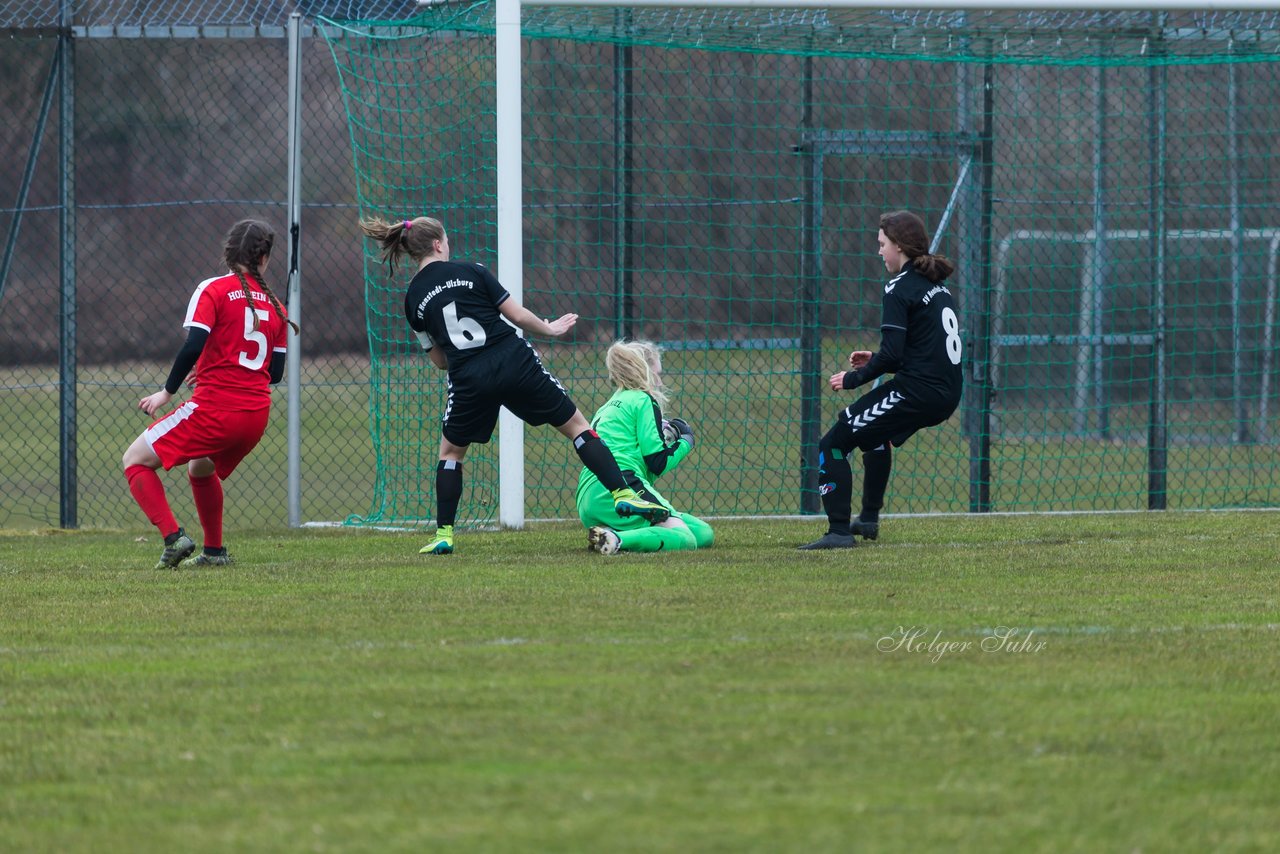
148, 491
207, 491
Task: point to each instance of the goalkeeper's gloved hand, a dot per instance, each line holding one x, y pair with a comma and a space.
682, 430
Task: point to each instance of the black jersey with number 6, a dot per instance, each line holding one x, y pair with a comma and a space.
454, 305
927, 313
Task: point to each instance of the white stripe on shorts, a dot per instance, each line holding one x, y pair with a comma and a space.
173, 419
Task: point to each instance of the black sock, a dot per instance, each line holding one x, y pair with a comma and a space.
218, 551
597, 457
448, 491
835, 482
876, 465
173, 538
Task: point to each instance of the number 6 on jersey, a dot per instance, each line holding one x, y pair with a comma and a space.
464, 332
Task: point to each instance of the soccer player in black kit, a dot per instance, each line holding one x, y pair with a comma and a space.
460, 314
919, 344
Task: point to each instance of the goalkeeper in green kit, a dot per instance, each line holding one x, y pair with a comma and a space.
645, 445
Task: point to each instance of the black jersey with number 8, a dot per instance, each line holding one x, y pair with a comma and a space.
932, 352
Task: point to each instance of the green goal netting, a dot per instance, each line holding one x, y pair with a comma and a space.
711, 179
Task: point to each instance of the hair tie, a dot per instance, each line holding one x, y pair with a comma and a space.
408, 224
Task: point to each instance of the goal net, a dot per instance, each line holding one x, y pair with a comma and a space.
711, 179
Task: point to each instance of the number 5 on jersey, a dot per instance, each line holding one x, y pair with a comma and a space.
255, 337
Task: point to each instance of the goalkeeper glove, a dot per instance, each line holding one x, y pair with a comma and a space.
681, 429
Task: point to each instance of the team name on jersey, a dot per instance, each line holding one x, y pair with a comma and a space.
439, 289
235, 295
933, 292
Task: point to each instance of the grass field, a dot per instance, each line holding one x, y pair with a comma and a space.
333, 691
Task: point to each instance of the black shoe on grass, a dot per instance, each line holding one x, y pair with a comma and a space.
866, 530
830, 540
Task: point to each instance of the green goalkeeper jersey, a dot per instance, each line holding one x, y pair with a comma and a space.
630, 423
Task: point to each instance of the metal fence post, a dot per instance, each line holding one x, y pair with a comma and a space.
980, 440
294, 357
810, 307
68, 478
1158, 413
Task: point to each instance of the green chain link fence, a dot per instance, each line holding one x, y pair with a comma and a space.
711, 179
177, 128
706, 178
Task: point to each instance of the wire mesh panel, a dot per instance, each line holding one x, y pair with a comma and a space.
707, 178
404, 91
30, 297
171, 141
711, 179
1089, 292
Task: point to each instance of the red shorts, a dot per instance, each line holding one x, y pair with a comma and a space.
192, 432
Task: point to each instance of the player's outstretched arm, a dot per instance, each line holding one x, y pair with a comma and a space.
534, 325
561, 325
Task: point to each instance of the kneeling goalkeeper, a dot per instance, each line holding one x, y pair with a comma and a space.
631, 424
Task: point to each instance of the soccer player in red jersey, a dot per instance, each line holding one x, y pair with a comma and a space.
236, 340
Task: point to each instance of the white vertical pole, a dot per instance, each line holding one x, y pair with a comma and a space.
293, 358
510, 237
1268, 342
1085, 325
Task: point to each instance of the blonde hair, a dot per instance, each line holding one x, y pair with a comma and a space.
631, 365
415, 237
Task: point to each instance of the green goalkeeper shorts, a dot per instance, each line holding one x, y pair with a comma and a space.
595, 506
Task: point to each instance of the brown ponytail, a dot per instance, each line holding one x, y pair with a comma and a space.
414, 237
935, 268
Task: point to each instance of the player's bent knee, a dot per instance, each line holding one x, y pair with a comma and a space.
681, 539
703, 535
140, 454
838, 438
202, 467
575, 426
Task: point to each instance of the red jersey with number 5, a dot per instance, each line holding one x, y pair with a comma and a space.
234, 370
